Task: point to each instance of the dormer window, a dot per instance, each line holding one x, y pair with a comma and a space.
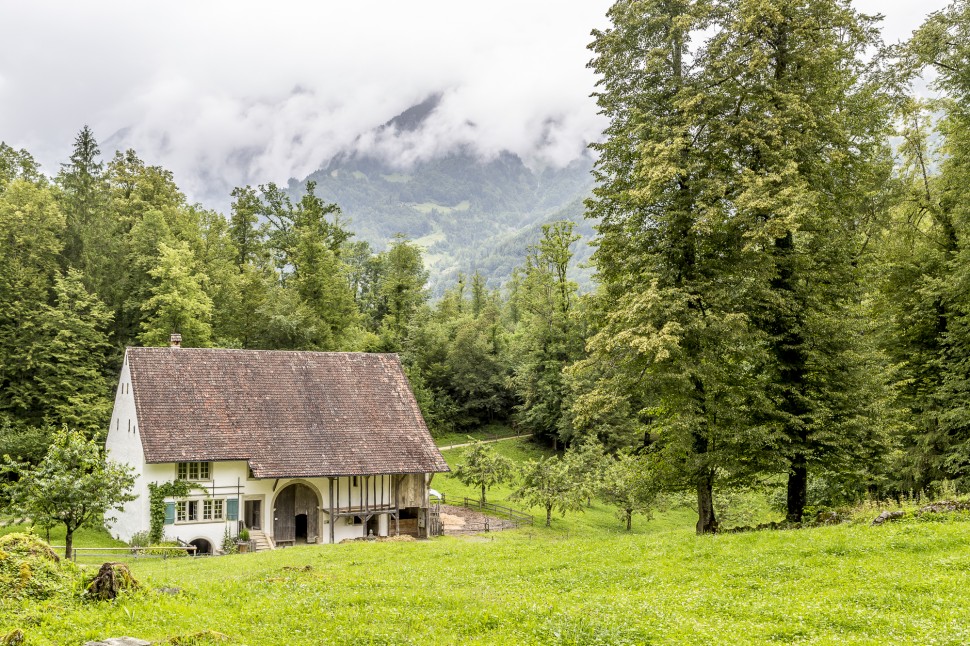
194, 470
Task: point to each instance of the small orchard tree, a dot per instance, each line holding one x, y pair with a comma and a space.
73, 485
630, 484
484, 467
586, 464
547, 483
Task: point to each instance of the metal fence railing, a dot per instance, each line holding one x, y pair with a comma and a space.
99, 554
494, 517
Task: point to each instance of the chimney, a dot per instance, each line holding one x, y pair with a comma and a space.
176, 340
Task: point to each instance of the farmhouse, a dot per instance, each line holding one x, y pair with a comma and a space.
297, 447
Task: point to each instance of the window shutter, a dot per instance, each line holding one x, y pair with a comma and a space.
232, 509
170, 513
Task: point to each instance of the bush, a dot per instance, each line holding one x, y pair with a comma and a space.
148, 551
140, 539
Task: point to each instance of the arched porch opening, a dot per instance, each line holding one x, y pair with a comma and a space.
296, 517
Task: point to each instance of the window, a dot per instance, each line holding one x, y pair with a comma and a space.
212, 509
187, 511
194, 470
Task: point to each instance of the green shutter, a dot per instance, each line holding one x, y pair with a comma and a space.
232, 509
170, 513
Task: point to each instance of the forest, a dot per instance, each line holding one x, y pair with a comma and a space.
781, 292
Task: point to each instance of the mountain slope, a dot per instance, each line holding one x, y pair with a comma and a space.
469, 213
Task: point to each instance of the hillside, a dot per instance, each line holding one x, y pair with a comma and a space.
582, 582
469, 213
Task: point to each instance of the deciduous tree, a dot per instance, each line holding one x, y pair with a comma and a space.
484, 467
73, 485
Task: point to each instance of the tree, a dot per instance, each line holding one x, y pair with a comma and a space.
629, 482
548, 335
586, 463
808, 134
70, 363
244, 231
738, 184
83, 198
682, 358
484, 467
30, 230
402, 286
547, 483
73, 485
178, 301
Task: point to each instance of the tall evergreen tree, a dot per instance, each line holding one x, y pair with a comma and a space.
70, 377
83, 199
807, 132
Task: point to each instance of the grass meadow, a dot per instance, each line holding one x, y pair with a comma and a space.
582, 581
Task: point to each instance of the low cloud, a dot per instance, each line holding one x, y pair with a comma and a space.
225, 93
228, 93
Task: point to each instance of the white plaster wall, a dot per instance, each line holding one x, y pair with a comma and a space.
226, 481
124, 445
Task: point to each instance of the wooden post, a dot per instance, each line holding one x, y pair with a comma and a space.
364, 495
331, 510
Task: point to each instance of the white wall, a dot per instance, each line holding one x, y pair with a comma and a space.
230, 480
124, 445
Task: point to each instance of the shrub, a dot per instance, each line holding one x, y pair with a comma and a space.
29, 569
140, 539
148, 551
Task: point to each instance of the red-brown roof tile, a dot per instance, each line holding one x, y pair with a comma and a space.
290, 414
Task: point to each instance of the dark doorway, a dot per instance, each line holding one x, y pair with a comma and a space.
301, 527
373, 526
253, 514
202, 546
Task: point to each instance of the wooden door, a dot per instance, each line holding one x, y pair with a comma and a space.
252, 514
284, 518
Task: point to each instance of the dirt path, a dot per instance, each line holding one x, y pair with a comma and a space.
461, 520
500, 439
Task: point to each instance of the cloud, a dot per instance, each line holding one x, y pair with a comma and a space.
225, 92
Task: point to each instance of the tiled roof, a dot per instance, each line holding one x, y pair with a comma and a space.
290, 414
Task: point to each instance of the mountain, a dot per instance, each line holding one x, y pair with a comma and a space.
469, 213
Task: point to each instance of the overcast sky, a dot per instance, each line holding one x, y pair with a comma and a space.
227, 93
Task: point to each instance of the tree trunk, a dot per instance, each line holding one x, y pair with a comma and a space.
548, 515
797, 489
69, 544
629, 519
706, 522
483, 495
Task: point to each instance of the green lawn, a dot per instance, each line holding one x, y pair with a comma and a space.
489, 432
583, 581
904, 583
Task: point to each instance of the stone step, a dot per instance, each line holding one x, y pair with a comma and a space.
260, 540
